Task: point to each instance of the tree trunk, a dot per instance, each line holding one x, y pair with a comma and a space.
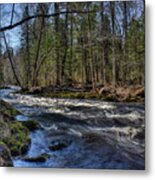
66, 46
28, 68
103, 70
125, 26
1, 64
71, 47
92, 65
35, 78
112, 12
56, 9
11, 62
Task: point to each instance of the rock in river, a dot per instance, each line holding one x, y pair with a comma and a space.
59, 145
41, 158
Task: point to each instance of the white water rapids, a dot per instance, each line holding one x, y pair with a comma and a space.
96, 134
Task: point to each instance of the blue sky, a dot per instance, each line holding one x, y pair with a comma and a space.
12, 35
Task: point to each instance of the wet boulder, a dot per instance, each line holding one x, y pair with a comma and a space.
41, 158
31, 125
24, 148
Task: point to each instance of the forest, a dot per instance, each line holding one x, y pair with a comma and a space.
72, 77
87, 45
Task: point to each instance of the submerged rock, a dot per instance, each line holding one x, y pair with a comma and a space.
59, 145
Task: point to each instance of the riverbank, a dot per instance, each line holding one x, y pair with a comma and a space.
14, 138
109, 93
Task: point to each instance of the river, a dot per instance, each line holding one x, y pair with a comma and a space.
78, 133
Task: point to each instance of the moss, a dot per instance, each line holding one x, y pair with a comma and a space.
19, 138
4, 130
5, 156
109, 93
2, 124
12, 133
134, 99
17, 127
7, 109
2, 143
31, 125
111, 97
72, 95
14, 149
24, 148
92, 95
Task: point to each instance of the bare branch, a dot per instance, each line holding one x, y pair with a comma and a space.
42, 15
13, 8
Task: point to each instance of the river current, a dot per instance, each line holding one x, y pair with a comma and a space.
77, 133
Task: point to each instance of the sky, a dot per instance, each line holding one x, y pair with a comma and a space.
12, 35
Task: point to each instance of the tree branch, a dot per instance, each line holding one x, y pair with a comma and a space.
13, 8
11, 26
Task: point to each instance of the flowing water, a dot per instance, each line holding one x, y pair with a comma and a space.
81, 133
